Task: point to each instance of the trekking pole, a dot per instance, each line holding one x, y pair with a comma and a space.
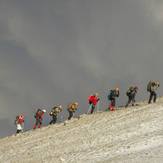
90, 107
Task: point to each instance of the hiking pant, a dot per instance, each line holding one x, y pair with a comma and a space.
18, 131
112, 104
131, 99
70, 115
92, 108
153, 96
54, 119
38, 123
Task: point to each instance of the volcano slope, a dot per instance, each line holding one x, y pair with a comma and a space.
131, 135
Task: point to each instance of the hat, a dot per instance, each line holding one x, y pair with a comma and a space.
117, 89
44, 110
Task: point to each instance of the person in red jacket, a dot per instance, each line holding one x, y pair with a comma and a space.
93, 100
19, 123
39, 117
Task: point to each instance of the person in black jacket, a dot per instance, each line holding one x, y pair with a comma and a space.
131, 93
54, 112
151, 88
112, 98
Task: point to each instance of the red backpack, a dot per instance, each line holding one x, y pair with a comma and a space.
20, 119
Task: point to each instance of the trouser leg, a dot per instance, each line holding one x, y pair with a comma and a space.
18, 131
154, 97
129, 101
70, 115
92, 109
35, 125
150, 97
39, 123
133, 100
54, 119
112, 104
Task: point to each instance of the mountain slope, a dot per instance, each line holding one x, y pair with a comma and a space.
126, 135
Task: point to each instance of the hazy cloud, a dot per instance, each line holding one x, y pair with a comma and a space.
63, 50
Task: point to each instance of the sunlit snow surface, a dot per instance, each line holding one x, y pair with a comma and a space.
127, 135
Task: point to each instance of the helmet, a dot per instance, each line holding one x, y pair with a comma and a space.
117, 89
44, 110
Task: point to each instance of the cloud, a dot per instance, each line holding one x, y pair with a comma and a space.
155, 10
59, 51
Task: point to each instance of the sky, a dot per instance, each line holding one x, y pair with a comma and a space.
60, 51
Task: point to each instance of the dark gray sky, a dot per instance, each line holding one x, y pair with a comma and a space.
57, 51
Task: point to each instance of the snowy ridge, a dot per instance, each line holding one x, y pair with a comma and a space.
126, 135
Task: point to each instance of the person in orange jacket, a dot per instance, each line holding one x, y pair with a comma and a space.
71, 108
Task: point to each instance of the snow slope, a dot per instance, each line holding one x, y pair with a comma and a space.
132, 135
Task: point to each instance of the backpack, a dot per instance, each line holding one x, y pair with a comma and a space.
130, 89
128, 92
111, 94
72, 107
55, 110
20, 119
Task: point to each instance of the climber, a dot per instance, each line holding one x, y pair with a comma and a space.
152, 86
54, 112
131, 93
112, 98
93, 101
39, 117
71, 108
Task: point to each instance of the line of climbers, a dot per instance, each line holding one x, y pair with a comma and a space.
93, 101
